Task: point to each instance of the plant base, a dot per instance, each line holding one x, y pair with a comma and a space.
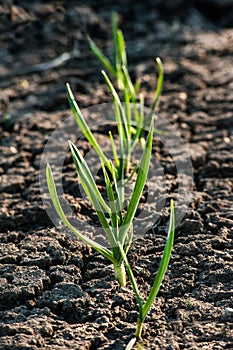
120, 275
138, 333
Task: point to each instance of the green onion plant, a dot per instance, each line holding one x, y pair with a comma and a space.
116, 217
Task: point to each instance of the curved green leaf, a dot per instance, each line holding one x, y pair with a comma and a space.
53, 194
163, 263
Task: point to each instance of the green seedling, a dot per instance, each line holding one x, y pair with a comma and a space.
116, 221
115, 217
144, 306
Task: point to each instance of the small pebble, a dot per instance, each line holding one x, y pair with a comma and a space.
228, 313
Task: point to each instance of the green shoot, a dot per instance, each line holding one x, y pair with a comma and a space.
115, 217
144, 306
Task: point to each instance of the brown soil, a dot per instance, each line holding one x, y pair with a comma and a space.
55, 293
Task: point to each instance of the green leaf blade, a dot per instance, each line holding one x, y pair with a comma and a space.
101, 57
163, 263
83, 125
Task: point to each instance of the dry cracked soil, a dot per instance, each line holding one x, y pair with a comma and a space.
56, 293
